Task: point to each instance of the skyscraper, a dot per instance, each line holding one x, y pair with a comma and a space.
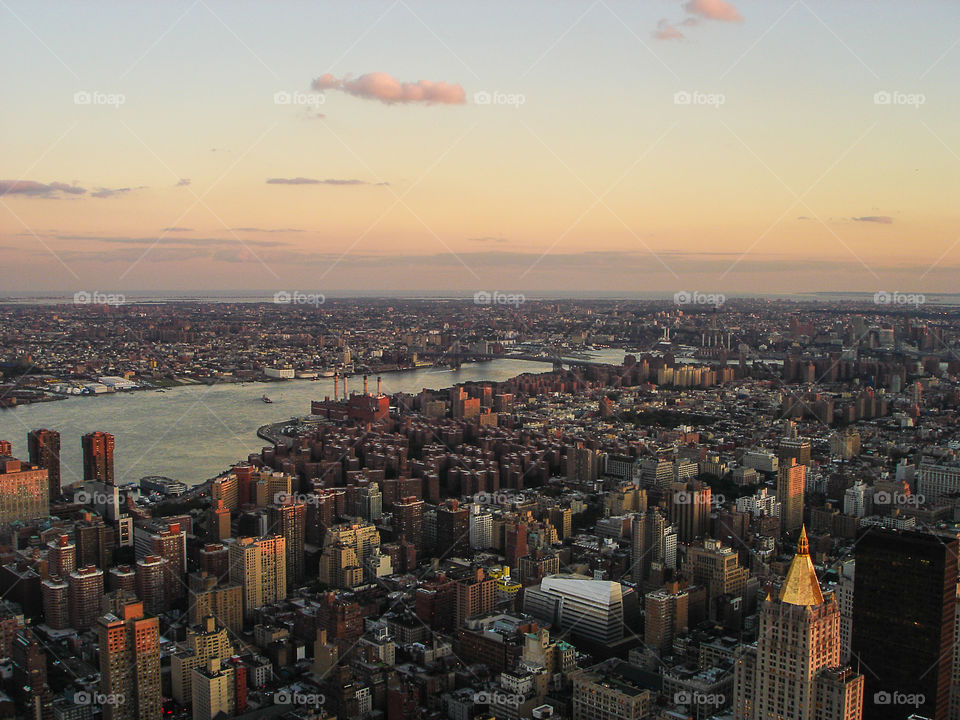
260, 566
98, 456
44, 448
904, 602
791, 482
794, 672
408, 520
289, 519
24, 491
129, 645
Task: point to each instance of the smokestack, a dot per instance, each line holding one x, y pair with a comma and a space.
364, 384
336, 385
345, 395
379, 380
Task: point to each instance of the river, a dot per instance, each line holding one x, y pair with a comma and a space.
192, 433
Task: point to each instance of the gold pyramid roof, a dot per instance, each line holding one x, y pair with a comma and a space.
802, 586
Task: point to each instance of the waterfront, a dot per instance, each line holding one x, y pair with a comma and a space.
192, 433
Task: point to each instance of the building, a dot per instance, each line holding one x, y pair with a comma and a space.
44, 448
259, 565
213, 690
206, 641
666, 614
85, 593
98, 457
61, 556
129, 644
794, 671
213, 595
904, 603
169, 543
481, 527
288, 519
408, 520
151, 584
653, 547
610, 691
588, 609
689, 509
453, 529
24, 491
935, 481
476, 595
716, 567
56, 603
791, 484
794, 449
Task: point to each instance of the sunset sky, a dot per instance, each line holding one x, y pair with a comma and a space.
524, 146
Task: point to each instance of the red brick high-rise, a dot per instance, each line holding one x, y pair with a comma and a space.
44, 447
98, 456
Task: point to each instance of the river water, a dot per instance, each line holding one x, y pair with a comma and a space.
194, 432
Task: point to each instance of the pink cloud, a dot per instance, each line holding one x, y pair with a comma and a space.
666, 31
713, 10
381, 86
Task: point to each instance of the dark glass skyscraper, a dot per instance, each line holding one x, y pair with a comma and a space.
98, 457
903, 622
44, 447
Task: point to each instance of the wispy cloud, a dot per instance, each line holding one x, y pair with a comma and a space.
113, 192
175, 228
314, 181
31, 188
387, 89
182, 182
882, 219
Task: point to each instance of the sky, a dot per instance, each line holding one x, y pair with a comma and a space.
665, 145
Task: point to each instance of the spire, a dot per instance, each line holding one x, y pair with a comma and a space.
801, 586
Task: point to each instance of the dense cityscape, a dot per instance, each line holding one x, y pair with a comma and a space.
758, 509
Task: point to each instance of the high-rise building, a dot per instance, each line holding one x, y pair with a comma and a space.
481, 527
904, 603
44, 448
583, 464
476, 594
151, 583
61, 556
98, 457
794, 672
85, 593
129, 645
716, 567
453, 529
213, 690
370, 502
24, 491
588, 609
653, 547
791, 484
260, 566
796, 448
205, 642
689, 509
666, 614
56, 603
288, 519
216, 596
562, 519
408, 520
169, 543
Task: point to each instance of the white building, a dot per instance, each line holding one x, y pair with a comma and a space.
589, 608
760, 503
481, 528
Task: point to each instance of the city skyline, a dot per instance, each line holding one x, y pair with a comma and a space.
696, 145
